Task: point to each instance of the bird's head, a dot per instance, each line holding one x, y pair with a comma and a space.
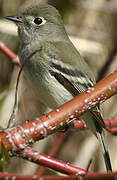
42, 22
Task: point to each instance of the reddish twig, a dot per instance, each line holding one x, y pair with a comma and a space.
80, 124
45, 160
19, 137
95, 176
4, 176
113, 131
9, 53
53, 150
101, 176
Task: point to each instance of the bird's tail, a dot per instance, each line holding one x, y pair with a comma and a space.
105, 151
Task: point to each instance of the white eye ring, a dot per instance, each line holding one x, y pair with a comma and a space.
39, 21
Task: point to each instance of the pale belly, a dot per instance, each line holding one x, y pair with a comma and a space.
49, 90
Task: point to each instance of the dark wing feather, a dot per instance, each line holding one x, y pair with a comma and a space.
76, 80
66, 83
76, 89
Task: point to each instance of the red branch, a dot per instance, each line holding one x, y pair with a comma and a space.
9, 53
96, 176
19, 137
53, 151
110, 123
45, 160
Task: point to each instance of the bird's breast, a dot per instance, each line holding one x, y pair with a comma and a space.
47, 88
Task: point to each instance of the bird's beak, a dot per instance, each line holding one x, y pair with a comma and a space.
14, 18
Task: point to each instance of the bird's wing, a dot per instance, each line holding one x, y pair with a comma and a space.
75, 80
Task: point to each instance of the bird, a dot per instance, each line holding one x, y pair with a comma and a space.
56, 71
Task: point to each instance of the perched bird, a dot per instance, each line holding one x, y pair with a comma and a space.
56, 71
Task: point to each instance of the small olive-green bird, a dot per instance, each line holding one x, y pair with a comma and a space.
56, 70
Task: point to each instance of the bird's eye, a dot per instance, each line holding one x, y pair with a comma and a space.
39, 20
